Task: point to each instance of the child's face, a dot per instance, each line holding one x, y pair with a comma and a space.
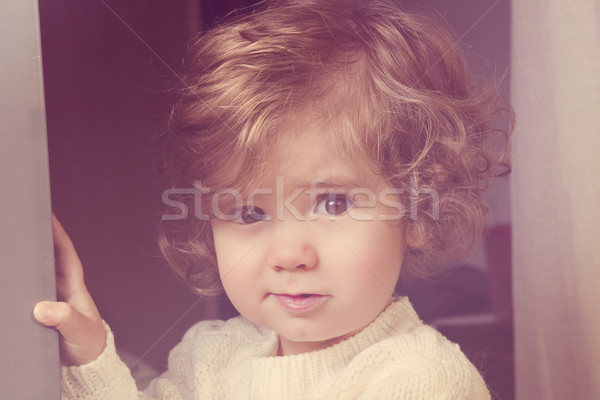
349, 266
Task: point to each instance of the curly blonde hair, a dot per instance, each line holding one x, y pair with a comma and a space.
395, 83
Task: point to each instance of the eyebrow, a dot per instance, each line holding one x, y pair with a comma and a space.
337, 182
330, 182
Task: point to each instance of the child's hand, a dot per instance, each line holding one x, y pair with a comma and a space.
82, 335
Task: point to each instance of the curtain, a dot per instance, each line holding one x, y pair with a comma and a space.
555, 198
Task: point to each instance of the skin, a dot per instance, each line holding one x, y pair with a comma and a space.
82, 335
352, 261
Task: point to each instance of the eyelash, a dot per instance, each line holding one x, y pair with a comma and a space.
249, 215
332, 200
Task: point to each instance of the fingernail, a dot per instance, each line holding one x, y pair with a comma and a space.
40, 311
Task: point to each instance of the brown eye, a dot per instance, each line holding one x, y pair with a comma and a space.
250, 215
333, 204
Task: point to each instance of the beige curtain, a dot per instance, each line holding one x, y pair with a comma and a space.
556, 198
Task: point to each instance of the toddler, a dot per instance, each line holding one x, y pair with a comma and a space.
318, 152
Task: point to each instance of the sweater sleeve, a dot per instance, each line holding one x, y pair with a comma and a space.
108, 378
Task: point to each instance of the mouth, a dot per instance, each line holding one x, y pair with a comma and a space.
301, 302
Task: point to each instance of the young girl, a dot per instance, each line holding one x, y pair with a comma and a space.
318, 152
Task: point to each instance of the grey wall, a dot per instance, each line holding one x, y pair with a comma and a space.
29, 352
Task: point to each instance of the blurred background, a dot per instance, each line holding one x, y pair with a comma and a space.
107, 65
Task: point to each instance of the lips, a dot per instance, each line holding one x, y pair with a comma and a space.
299, 303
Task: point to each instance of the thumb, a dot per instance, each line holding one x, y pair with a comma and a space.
51, 313
82, 339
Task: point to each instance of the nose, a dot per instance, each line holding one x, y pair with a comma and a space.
292, 246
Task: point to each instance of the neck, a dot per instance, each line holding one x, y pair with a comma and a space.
289, 347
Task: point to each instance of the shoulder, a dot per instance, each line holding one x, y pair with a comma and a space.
213, 350
439, 365
422, 363
220, 339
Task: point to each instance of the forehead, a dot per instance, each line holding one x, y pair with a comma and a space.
308, 149
302, 147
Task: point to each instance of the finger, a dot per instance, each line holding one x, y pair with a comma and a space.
69, 274
74, 327
44, 313
69, 271
82, 338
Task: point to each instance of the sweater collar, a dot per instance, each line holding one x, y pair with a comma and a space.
314, 367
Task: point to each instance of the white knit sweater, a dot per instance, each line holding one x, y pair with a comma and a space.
395, 357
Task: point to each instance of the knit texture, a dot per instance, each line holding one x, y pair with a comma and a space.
394, 357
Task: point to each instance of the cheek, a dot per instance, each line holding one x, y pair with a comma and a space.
236, 261
233, 272
229, 251
235, 276
376, 268
374, 256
